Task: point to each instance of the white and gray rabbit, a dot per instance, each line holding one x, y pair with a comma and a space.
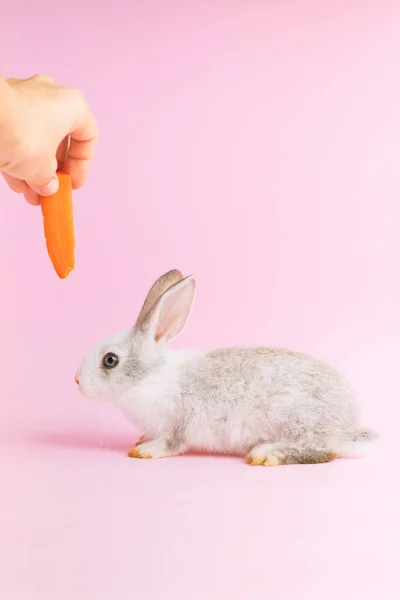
276, 407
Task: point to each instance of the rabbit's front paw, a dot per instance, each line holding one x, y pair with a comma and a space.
153, 449
133, 452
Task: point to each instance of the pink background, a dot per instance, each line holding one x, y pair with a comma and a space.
256, 145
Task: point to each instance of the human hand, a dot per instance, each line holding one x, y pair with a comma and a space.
43, 127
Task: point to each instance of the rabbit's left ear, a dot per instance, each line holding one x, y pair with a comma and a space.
170, 314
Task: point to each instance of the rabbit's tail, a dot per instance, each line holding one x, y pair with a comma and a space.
364, 435
356, 443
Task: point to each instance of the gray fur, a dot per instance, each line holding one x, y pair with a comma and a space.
268, 395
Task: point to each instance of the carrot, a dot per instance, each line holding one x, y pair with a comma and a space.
59, 227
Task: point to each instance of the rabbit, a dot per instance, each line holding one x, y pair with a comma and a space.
270, 405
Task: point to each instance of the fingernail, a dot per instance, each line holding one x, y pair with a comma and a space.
51, 188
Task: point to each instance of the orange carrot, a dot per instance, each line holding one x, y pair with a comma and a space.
59, 226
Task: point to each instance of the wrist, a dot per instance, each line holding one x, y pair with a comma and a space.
9, 102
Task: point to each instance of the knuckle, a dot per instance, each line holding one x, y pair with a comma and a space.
77, 94
42, 78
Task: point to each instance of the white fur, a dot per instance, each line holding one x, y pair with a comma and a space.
276, 406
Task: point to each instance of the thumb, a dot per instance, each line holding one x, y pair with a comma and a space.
44, 181
45, 190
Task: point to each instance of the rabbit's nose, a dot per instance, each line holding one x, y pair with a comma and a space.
76, 380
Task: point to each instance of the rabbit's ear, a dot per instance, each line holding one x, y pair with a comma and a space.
169, 315
156, 291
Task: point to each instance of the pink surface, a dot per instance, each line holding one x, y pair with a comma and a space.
255, 144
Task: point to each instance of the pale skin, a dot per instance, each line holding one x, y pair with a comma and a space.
43, 127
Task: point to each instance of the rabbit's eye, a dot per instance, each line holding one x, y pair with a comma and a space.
110, 360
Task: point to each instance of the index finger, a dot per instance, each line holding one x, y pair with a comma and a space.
81, 149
